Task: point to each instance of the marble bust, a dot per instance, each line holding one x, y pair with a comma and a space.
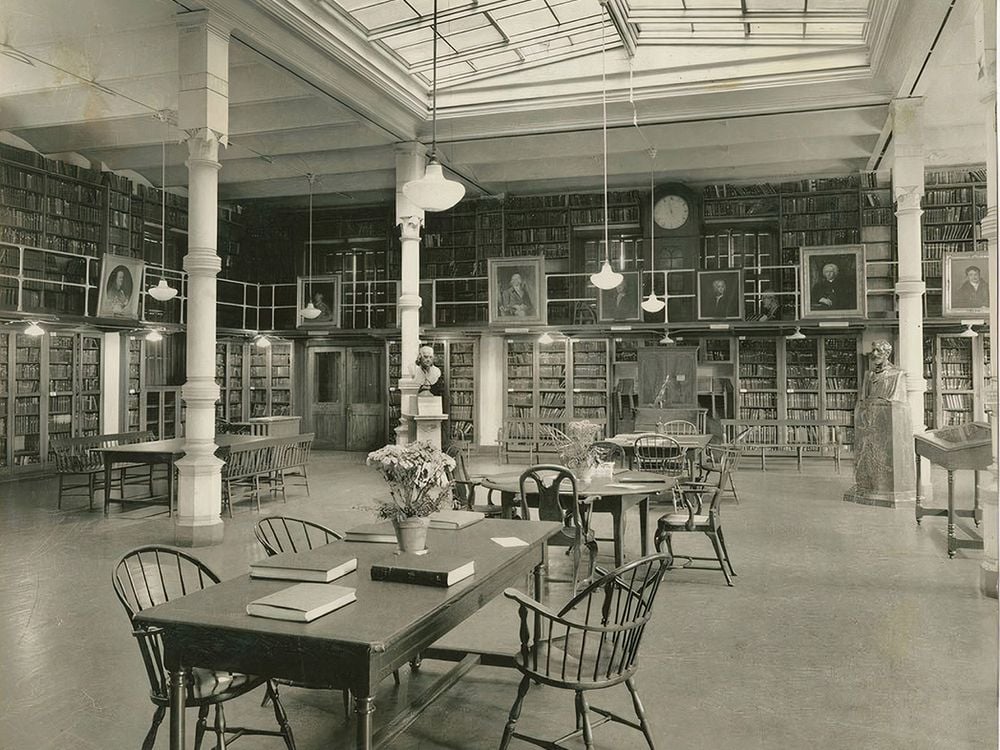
424, 372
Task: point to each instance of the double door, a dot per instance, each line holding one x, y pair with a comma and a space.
346, 397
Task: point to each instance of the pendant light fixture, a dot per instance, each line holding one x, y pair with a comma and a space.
310, 311
163, 291
606, 278
261, 341
652, 303
797, 336
433, 191
666, 338
969, 332
34, 329
154, 335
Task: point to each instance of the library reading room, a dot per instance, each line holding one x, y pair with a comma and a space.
376, 374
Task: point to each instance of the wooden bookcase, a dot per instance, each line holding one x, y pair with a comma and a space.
956, 369
269, 380
449, 243
461, 301
954, 203
815, 378
549, 385
49, 386
820, 211
230, 374
878, 233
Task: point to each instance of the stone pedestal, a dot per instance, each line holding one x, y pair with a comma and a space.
884, 471
428, 428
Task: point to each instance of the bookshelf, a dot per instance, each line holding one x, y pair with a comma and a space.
394, 370
954, 203
462, 361
162, 413
955, 379
929, 394
591, 381
537, 225
520, 407
841, 366
269, 380
757, 372
280, 380
460, 301
29, 406
820, 211
802, 386
230, 374
4, 399
878, 233
449, 243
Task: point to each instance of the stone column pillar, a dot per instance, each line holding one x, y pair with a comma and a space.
410, 158
908, 190
986, 52
204, 115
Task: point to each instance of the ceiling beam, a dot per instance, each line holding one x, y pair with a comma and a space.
732, 15
444, 16
648, 36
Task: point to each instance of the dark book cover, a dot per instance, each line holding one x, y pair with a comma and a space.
424, 570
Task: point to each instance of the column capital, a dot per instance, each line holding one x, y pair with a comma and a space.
409, 227
203, 69
907, 198
203, 147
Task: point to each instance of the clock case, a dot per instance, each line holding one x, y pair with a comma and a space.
676, 248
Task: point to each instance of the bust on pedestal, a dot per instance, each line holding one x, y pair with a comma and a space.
426, 409
883, 436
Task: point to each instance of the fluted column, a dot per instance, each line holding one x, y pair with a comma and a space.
410, 158
203, 114
986, 52
908, 190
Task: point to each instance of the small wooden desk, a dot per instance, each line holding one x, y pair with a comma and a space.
966, 446
358, 646
613, 500
153, 453
272, 426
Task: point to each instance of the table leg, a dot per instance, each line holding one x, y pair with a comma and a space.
951, 514
618, 535
644, 526
107, 483
170, 485
919, 497
177, 692
364, 708
977, 512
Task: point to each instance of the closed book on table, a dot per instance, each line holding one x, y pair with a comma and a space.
303, 602
320, 565
424, 570
455, 519
383, 531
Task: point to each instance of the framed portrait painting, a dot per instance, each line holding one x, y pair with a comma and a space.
517, 291
832, 280
120, 287
620, 304
720, 295
324, 293
965, 278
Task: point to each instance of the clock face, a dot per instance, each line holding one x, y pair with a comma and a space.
671, 211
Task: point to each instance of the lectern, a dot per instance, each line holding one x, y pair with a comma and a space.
964, 446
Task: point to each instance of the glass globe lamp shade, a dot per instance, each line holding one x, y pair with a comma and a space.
34, 329
433, 191
606, 278
310, 312
653, 304
162, 291
154, 335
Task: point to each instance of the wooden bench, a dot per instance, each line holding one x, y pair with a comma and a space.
75, 458
786, 437
266, 460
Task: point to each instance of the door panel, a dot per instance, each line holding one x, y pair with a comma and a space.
326, 398
366, 405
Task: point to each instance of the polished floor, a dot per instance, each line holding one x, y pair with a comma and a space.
848, 627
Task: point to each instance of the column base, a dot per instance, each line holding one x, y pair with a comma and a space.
201, 535
904, 499
989, 580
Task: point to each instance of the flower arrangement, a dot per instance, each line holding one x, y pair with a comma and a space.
575, 450
418, 478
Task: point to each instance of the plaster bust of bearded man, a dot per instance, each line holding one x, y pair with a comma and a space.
883, 381
424, 372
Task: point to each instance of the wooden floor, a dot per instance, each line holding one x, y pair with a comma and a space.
848, 627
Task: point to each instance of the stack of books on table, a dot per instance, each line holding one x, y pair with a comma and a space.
431, 569
312, 598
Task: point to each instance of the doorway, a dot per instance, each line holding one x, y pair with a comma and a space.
346, 397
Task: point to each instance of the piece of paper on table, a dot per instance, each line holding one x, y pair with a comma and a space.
510, 541
624, 486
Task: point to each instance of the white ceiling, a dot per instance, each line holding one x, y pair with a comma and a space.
725, 90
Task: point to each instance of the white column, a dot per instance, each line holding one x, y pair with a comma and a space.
908, 190
203, 114
986, 51
410, 158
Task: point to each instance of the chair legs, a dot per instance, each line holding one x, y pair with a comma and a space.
640, 712
719, 554
200, 726
515, 712
147, 744
662, 539
280, 716
583, 719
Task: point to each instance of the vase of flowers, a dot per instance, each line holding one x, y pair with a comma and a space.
419, 479
575, 451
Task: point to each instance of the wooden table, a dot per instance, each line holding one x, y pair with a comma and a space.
356, 647
691, 444
153, 453
271, 426
965, 446
608, 499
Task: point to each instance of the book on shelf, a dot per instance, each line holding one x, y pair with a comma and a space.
455, 519
319, 565
424, 570
303, 602
380, 531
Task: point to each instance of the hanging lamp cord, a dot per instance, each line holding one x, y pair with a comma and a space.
604, 133
434, 80
163, 197
652, 233
311, 177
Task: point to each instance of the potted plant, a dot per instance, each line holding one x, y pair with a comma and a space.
575, 451
419, 479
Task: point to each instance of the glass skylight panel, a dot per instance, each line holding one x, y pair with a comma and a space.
383, 14
523, 23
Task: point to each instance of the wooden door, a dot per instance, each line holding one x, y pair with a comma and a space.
365, 399
327, 412
667, 377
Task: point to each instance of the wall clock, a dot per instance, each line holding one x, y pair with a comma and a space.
671, 211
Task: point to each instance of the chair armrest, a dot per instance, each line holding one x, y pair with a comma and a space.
541, 610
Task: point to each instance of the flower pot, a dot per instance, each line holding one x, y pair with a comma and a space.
584, 477
411, 533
